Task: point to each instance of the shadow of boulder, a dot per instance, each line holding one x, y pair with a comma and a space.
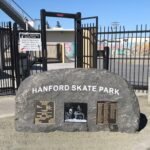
143, 121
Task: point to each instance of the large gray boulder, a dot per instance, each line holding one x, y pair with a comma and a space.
76, 100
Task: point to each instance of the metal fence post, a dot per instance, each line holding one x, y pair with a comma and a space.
79, 47
43, 35
106, 58
148, 90
95, 45
12, 56
16, 54
59, 52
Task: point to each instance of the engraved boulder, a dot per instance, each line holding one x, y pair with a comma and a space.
76, 100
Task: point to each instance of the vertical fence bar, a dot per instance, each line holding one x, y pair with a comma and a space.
2, 61
130, 58
28, 64
100, 48
12, 57
119, 49
143, 49
79, 47
95, 40
122, 52
115, 47
127, 57
43, 36
84, 45
106, 58
90, 41
148, 58
5, 62
75, 42
135, 52
139, 59
112, 51
16, 55
88, 46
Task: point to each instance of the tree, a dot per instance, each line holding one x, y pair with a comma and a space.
47, 24
58, 25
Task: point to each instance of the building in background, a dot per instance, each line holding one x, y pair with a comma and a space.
65, 38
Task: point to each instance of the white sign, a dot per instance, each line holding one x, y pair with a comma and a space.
30, 41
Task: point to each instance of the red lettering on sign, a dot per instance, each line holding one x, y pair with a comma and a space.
60, 15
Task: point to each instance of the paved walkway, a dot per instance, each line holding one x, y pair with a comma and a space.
7, 106
60, 66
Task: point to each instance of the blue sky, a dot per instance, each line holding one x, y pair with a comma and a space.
127, 12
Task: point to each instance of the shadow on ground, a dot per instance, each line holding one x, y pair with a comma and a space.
143, 121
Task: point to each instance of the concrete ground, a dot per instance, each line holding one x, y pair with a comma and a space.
12, 140
60, 66
7, 106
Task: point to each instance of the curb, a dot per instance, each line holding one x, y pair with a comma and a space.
7, 115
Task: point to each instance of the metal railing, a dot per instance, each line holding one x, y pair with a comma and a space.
129, 54
7, 77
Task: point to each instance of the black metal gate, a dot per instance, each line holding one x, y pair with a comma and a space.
77, 23
127, 54
7, 73
87, 41
85, 38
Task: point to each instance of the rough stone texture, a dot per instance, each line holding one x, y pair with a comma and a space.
128, 115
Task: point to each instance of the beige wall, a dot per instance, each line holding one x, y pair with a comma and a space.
60, 36
54, 37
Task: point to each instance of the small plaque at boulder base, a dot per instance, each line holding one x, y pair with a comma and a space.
44, 112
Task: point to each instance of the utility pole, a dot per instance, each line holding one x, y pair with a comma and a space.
115, 25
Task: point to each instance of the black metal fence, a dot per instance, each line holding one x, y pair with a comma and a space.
126, 53
129, 54
7, 74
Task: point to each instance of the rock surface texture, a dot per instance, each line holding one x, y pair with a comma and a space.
76, 100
